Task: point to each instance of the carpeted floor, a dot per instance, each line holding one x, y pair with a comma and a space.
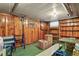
30, 50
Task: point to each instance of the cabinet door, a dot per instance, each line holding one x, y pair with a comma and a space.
10, 26
18, 26
31, 35
2, 25
31, 31
36, 33
26, 33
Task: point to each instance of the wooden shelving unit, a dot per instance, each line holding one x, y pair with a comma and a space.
69, 28
44, 29
55, 33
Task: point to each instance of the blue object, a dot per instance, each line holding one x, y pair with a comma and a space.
60, 53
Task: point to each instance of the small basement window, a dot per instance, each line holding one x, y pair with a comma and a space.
54, 24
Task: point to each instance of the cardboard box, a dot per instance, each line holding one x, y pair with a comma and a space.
43, 44
48, 37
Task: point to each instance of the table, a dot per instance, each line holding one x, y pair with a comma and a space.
50, 51
68, 40
69, 43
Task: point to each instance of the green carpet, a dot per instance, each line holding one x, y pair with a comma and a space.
30, 50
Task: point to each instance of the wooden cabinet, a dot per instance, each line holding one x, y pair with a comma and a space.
18, 30
31, 30
4, 19
18, 26
10, 25
6, 24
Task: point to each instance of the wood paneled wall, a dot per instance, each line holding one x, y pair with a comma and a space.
12, 25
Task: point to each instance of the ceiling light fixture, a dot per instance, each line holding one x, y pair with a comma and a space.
54, 13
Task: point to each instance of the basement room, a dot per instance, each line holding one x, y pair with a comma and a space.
39, 29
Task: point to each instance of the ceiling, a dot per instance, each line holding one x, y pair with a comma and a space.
44, 11
73, 8
6, 7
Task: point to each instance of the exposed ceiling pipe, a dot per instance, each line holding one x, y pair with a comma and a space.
14, 7
67, 5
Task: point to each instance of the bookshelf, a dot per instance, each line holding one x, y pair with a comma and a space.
55, 33
69, 28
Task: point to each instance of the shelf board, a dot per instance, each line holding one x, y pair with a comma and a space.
75, 37
53, 29
67, 30
69, 22
65, 22
70, 30
70, 36
55, 33
66, 36
55, 36
71, 26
